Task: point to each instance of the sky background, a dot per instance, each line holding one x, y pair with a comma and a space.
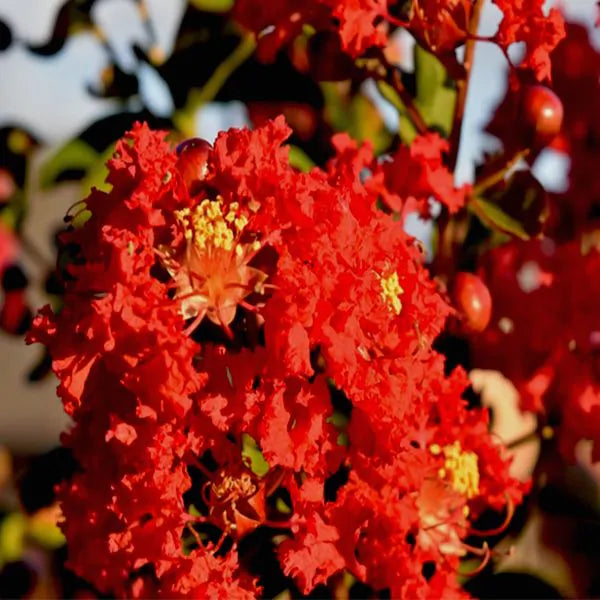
48, 97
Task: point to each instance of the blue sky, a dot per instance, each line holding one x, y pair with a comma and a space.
48, 95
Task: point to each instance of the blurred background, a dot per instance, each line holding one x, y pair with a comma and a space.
74, 75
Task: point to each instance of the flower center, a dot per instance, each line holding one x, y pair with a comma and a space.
211, 272
207, 226
460, 468
234, 487
391, 290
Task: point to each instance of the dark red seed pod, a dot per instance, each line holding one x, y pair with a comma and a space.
192, 163
473, 301
542, 114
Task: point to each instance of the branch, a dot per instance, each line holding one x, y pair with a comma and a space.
408, 101
491, 180
463, 84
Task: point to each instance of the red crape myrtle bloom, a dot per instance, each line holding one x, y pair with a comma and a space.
440, 25
245, 348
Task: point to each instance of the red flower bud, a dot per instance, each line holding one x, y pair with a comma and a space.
542, 113
192, 161
472, 299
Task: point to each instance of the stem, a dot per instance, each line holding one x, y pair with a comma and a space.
528, 437
546, 432
487, 182
463, 84
393, 79
411, 108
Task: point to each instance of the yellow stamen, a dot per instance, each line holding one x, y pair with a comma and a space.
391, 291
207, 226
460, 467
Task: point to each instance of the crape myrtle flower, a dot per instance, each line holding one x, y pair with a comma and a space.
439, 25
246, 347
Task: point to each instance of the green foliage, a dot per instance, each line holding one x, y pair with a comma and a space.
97, 172
493, 216
75, 155
12, 536
300, 160
435, 97
213, 5
253, 457
46, 534
358, 117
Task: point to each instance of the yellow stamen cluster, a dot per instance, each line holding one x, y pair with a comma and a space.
241, 487
206, 225
391, 291
460, 467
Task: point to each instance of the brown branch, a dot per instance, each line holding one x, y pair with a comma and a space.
489, 181
408, 101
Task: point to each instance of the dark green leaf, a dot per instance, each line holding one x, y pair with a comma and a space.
253, 456
493, 216
300, 160
430, 76
213, 5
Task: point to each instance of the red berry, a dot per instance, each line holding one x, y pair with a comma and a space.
192, 161
472, 299
542, 113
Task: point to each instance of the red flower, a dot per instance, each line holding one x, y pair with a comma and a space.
417, 173
524, 21
440, 25
234, 339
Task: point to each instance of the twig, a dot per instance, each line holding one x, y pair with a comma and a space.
409, 104
463, 85
487, 182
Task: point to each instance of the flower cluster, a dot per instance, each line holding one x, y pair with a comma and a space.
440, 25
545, 331
246, 353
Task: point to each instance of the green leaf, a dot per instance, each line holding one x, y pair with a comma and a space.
253, 457
435, 97
493, 216
300, 160
390, 94
338, 420
12, 536
213, 5
430, 76
97, 172
75, 155
406, 130
47, 535
281, 506
358, 117
439, 114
